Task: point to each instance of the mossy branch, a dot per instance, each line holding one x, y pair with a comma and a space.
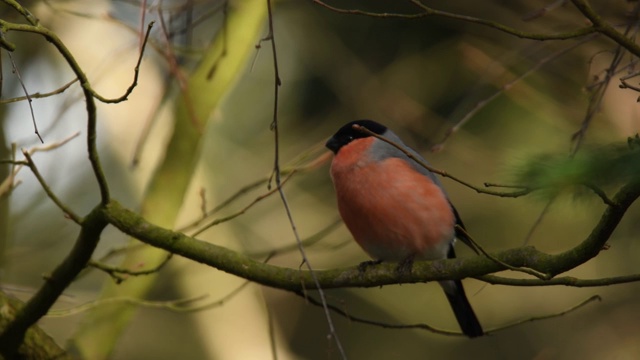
384, 274
37, 344
55, 283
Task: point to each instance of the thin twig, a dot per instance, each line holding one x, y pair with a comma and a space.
538, 221
528, 271
176, 71
601, 26
624, 44
569, 281
10, 183
514, 194
22, 11
432, 329
428, 11
314, 163
307, 242
242, 211
136, 72
38, 95
506, 87
120, 274
239, 193
53, 146
383, 325
65, 209
506, 186
546, 317
17, 165
26, 93
173, 305
180, 305
276, 171
601, 194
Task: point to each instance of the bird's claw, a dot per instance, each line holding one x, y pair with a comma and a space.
362, 267
405, 266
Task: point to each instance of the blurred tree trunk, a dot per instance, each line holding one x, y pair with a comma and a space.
224, 62
37, 344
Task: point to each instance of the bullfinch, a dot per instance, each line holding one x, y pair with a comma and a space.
396, 209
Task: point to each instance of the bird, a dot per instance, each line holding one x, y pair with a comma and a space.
396, 209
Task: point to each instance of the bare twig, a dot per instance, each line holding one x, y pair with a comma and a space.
65, 209
560, 281
8, 184
309, 241
173, 305
136, 72
514, 194
289, 172
26, 93
546, 317
180, 305
428, 11
538, 220
242, 211
525, 270
53, 146
175, 70
38, 95
447, 332
596, 190
276, 171
22, 11
120, 274
601, 26
383, 325
240, 192
624, 44
506, 87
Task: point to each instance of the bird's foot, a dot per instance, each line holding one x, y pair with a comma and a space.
365, 264
405, 266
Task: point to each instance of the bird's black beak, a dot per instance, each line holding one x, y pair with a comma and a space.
333, 144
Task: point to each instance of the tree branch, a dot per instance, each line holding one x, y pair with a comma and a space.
383, 274
428, 11
54, 285
563, 281
605, 29
37, 344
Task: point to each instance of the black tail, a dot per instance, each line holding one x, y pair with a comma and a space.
460, 304
455, 292
461, 308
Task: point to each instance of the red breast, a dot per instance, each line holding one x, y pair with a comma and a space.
392, 210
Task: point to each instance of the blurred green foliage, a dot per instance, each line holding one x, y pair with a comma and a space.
604, 166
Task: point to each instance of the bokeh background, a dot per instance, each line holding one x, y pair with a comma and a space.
418, 76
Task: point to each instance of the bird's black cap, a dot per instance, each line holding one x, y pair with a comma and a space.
347, 134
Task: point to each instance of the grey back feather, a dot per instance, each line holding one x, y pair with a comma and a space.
382, 150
